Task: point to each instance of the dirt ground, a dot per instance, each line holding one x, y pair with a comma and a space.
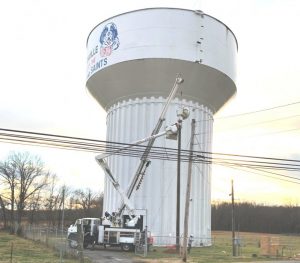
101, 255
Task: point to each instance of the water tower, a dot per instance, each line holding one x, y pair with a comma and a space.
132, 62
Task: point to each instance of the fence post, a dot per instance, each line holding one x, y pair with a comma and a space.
146, 242
47, 233
11, 251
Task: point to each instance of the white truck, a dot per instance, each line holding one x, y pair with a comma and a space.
126, 227
95, 232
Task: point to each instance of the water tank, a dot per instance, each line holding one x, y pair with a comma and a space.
132, 62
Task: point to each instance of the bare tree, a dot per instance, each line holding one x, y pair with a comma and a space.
8, 176
3, 204
51, 200
63, 193
99, 203
25, 175
85, 199
56, 203
34, 204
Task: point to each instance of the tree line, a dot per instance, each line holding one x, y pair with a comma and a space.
251, 217
29, 193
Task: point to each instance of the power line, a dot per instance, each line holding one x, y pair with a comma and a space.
258, 111
269, 176
112, 146
263, 134
263, 122
161, 153
235, 161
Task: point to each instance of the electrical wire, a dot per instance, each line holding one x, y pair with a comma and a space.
262, 122
235, 161
108, 146
161, 153
258, 111
269, 176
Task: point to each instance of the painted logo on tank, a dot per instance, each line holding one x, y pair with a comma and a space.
109, 40
104, 45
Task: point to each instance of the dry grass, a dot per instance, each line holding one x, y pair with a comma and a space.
26, 251
18, 250
221, 251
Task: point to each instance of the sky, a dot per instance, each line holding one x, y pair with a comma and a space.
42, 84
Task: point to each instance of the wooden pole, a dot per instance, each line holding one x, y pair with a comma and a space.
188, 194
178, 187
11, 252
233, 220
62, 223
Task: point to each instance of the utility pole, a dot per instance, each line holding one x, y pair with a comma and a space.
178, 187
182, 114
233, 220
63, 209
188, 194
62, 220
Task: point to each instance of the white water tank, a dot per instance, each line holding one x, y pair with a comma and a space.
132, 62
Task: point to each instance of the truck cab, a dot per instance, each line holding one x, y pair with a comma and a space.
90, 229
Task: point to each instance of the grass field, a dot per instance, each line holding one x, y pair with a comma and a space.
251, 249
25, 251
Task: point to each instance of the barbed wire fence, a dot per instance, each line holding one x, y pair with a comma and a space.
54, 237
247, 245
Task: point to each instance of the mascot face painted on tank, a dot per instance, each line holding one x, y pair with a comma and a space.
109, 40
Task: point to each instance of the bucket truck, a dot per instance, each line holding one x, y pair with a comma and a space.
118, 228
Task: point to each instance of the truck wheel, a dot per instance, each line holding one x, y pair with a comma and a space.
126, 247
73, 243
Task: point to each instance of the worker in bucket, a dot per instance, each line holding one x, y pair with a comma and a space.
190, 241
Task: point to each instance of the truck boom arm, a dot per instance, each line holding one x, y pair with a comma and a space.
136, 181
101, 161
116, 184
144, 163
